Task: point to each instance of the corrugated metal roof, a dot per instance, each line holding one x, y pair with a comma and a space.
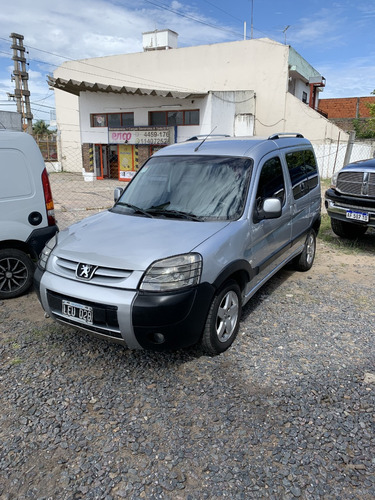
75, 87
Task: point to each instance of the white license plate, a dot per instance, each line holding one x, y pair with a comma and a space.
78, 311
361, 216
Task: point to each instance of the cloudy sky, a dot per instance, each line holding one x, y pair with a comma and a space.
336, 37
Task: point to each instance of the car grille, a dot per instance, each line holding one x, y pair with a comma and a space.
105, 319
105, 276
356, 183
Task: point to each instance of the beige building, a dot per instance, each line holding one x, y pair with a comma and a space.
113, 112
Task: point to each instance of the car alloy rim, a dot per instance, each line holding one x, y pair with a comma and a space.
13, 274
310, 249
227, 316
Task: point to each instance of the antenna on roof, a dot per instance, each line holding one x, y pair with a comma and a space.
199, 145
284, 31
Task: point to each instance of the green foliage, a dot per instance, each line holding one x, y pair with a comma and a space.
41, 128
365, 128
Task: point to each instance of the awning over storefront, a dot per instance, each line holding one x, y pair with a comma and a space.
75, 87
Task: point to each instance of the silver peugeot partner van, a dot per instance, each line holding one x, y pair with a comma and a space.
200, 228
27, 219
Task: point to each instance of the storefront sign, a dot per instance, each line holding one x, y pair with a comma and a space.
144, 135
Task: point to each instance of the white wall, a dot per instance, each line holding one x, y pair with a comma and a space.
218, 110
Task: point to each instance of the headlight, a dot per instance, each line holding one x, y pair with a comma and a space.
173, 273
334, 180
50, 245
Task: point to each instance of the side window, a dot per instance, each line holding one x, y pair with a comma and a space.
271, 182
297, 173
303, 172
311, 169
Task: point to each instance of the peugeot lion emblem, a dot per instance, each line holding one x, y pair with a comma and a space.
85, 271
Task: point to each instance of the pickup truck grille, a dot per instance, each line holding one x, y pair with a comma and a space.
356, 183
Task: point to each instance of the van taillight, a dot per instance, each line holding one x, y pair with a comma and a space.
48, 199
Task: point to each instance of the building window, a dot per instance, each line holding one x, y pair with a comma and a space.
304, 97
112, 120
172, 118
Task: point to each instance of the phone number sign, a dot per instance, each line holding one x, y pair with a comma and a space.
162, 136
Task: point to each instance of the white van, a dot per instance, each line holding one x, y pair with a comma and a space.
200, 228
27, 219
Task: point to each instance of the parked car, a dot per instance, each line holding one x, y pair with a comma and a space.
27, 219
200, 228
350, 201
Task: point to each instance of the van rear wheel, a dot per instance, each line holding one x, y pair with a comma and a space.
16, 273
305, 260
223, 319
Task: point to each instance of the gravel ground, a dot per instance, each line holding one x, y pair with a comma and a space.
288, 412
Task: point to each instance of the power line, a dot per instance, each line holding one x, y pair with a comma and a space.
222, 10
164, 7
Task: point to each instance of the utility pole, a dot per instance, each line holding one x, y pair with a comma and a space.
20, 76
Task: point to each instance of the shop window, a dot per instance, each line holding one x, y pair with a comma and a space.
112, 120
99, 120
127, 119
158, 118
192, 117
172, 118
175, 118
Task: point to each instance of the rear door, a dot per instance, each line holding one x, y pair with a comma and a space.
269, 243
303, 178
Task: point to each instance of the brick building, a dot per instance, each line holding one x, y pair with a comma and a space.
342, 111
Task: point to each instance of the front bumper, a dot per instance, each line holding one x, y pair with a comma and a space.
337, 206
153, 321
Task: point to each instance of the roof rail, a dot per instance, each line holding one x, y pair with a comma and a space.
198, 137
280, 135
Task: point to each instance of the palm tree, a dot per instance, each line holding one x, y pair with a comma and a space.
41, 128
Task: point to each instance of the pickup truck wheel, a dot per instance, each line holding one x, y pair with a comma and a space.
223, 319
305, 260
347, 229
16, 273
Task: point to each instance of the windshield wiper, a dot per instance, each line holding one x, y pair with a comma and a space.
137, 210
178, 214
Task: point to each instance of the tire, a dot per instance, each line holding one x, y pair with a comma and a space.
305, 260
223, 319
347, 229
16, 273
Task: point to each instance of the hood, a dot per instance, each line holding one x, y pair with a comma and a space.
130, 242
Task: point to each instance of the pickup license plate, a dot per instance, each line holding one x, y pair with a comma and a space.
361, 216
77, 311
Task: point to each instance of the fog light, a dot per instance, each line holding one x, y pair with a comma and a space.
159, 338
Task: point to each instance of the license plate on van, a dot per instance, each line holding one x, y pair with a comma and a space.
77, 311
361, 216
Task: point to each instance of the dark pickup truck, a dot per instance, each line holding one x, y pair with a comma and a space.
350, 202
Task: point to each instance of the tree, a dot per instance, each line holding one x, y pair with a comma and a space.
365, 127
41, 128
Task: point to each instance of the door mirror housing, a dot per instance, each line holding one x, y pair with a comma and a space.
270, 209
117, 193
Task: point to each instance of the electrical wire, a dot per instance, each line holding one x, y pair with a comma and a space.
164, 7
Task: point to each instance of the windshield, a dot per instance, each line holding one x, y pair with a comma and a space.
191, 187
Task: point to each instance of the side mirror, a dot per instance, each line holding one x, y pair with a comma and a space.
270, 209
117, 193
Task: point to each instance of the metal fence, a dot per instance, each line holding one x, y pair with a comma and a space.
76, 198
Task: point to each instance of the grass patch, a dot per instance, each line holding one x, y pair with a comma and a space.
16, 361
325, 184
364, 244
